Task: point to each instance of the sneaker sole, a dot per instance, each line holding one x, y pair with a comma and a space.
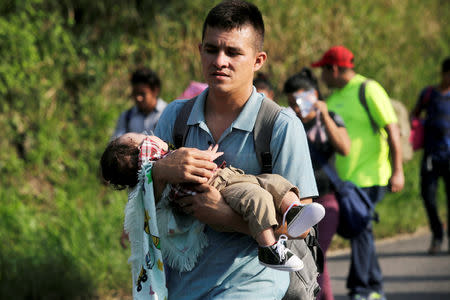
283, 268
308, 217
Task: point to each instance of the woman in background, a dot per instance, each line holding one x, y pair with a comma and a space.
327, 135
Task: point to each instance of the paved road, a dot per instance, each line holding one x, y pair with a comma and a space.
409, 272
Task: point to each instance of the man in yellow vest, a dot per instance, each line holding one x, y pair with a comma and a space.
368, 164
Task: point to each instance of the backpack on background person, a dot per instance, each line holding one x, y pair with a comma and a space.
433, 132
405, 129
402, 118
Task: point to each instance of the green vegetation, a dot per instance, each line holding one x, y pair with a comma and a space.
64, 80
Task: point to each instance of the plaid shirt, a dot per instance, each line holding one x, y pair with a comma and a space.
150, 151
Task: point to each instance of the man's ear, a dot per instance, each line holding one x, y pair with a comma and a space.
261, 58
336, 70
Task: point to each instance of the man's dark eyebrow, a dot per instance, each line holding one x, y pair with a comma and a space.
214, 46
234, 49
209, 45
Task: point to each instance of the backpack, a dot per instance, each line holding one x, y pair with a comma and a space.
403, 122
437, 127
356, 210
417, 135
262, 135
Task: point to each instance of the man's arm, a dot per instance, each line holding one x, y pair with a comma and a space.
384, 115
397, 180
183, 165
338, 136
209, 207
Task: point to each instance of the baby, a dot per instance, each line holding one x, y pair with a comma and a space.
257, 198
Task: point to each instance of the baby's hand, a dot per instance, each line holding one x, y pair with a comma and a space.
212, 151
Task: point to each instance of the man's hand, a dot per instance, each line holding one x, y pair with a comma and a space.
182, 165
397, 181
209, 207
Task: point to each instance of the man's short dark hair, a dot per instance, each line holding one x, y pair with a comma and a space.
446, 65
146, 76
233, 14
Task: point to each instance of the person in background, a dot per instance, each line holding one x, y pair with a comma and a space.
147, 108
435, 101
367, 165
263, 85
145, 113
327, 135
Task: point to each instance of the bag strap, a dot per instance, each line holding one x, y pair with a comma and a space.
312, 241
329, 170
262, 132
363, 100
180, 128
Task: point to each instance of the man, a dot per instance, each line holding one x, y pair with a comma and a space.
145, 113
435, 100
148, 107
225, 113
368, 164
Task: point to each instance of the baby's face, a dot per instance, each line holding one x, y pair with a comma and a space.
136, 139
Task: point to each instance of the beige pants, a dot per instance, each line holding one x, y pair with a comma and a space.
256, 198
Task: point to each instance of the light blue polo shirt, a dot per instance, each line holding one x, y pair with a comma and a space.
229, 266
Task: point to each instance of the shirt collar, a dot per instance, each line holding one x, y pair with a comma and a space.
159, 105
245, 120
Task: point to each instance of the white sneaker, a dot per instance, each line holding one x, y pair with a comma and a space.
300, 218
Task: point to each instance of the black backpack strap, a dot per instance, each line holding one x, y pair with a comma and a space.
262, 133
180, 128
312, 241
127, 120
363, 100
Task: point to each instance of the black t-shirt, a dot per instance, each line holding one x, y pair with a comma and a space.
327, 152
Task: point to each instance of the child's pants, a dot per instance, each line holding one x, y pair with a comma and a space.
257, 198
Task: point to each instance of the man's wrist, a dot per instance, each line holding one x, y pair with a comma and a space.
157, 175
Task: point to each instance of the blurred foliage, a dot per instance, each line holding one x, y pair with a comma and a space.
64, 80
